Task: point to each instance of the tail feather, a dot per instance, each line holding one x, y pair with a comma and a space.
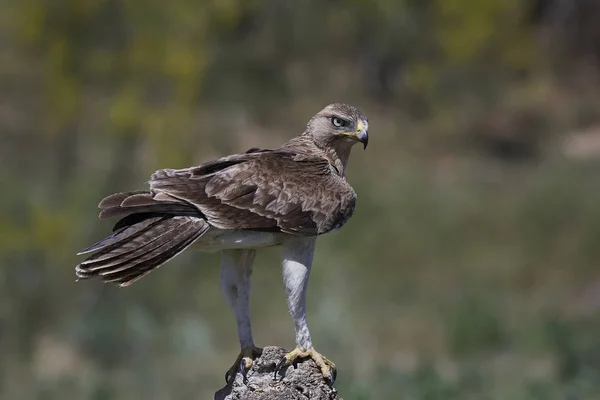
115, 200
155, 228
144, 202
147, 240
125, 276
172, 209
124, 268
120, 235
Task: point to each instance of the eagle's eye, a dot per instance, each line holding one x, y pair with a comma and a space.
338, 122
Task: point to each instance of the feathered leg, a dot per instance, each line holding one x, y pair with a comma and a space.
297, 261
236, 269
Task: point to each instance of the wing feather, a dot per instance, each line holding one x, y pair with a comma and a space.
291, 192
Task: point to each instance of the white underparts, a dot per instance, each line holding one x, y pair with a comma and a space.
220, 239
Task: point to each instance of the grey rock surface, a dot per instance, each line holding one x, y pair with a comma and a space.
301, 383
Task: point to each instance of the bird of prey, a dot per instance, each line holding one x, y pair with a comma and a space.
236, 205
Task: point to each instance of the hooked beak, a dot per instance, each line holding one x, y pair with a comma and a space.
363, 137
362, 134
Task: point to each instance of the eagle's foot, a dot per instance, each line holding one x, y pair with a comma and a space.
327, 367
243, 363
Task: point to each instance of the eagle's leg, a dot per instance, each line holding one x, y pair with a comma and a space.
297, 261
236, 269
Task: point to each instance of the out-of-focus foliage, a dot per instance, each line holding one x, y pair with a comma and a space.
469, 270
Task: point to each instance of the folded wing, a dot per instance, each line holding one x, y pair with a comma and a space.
267, 190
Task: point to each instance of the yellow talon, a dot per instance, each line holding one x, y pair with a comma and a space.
328, 368
243, 362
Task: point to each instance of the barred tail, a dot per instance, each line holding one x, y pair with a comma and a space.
141, 242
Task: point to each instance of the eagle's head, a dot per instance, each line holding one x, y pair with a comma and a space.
339, 126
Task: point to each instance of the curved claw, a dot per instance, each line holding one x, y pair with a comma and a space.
278, 367
332, 377
243, 363
243, 369
229, 376
328, 368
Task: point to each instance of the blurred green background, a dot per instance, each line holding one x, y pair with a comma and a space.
470, 267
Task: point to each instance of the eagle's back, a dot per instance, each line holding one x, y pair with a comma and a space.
292, 190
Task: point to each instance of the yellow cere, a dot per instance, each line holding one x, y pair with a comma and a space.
359, 127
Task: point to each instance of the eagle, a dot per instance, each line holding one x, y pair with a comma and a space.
237, 204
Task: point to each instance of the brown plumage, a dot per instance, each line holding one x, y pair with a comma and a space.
298, 189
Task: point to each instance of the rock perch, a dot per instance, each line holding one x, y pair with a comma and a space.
301, 383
